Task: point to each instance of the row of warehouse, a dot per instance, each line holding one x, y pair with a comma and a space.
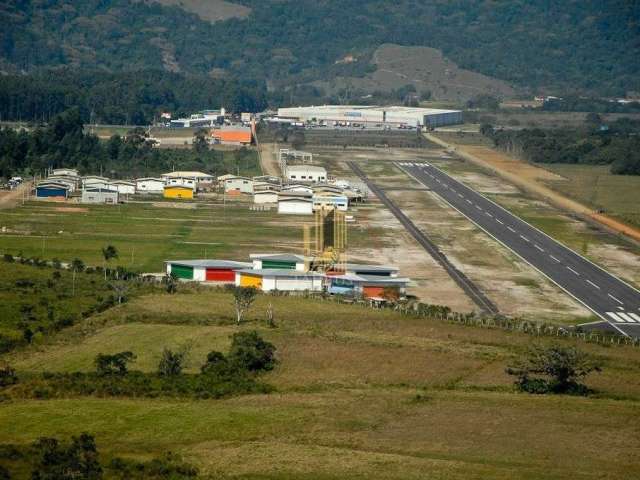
65, 182
293, 273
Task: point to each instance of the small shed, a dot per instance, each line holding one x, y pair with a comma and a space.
178, 192
124, 187
265, 196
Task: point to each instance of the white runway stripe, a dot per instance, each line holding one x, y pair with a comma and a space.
626, 317
635, 317
615, 317
499, 221
555, 258
572, 270
524, 238
539, 248
615, 299
511, 229
593, 284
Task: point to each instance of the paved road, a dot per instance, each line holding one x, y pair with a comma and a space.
613, 300
470, 288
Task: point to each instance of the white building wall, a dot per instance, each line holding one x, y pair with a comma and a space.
268, 284
124, 189
239, 185
150, 186
183, 182
266, 197
199, 274
298, 284
295, 207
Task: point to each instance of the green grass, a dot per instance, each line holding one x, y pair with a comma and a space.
360, 394
596, 186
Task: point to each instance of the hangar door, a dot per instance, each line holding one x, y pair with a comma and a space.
182, 271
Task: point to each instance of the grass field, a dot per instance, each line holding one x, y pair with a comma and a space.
360, 394
596, 186
146, 234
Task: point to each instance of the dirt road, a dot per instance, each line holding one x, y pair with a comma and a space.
530, 178
11, 198
269, 159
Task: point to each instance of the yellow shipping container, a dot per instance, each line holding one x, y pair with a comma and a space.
175, 191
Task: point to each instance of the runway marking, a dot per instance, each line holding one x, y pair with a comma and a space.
469, 201
635, 317
460, 195
453, 190
511, 229
538, 247
627, 317
593, 284
488, 214
615, 299
555, 259
615, 317
571, 269
524, 238
479, 207
499, 221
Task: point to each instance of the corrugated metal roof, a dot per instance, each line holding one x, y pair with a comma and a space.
211, 263
285, 257
277, 272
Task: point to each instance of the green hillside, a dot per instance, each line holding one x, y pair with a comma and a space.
589, 45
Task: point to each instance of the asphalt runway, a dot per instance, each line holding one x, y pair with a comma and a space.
610, 298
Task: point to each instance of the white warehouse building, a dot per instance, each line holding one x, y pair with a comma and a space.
365, 114
306, 173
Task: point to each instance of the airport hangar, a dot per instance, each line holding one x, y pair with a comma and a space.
367, 115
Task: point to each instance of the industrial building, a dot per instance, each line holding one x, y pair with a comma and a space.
293, 273
373, 115
236, 185
178, 192
205, 270
306, 173
150, 185
284, 261
296, 203
206, 118
232, 135
99, 195
123, 187
49, 189
197, 177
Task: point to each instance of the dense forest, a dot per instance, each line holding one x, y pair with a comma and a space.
616, 144
589, 45
140, 95
63, 143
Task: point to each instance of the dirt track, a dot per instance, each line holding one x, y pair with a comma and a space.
529, 177
11, 198
269, 159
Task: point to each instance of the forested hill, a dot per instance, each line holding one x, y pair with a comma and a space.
590, 45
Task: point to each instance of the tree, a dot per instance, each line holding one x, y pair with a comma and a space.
77, 265
171, 363
201, 140
120, 287
216, 363
243, 298
250, 352
78, 461
172, 283
555, 369
108, 253
116, 364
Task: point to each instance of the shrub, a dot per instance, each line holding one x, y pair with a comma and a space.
554, 369
249, 351
7, 376
171, 363
79, 460
116, 364
7, 257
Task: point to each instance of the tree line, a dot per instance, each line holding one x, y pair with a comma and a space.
616, 144
64, 143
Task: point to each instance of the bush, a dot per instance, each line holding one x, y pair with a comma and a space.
59, 462
7, 257
250, 352
554, 369
7, 376
171, 363
116, 364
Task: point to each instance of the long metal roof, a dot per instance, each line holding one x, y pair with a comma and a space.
210, 263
